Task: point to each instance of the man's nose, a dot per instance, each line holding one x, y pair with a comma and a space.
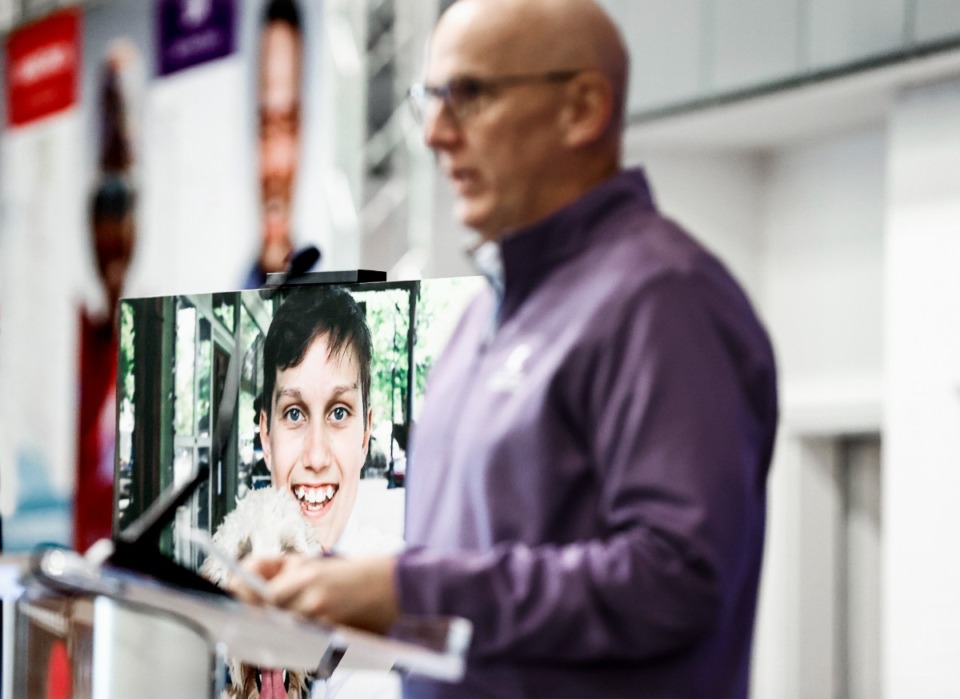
440, 127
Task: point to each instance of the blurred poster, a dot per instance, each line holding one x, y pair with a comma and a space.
279, 78
193, 32
208, 174
43, 212
43, 60
234, 163
68, 187
112, 240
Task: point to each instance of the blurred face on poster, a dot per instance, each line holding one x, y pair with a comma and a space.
316, 437
114, 234
114, 198
279, 133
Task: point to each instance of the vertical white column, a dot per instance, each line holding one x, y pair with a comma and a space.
344, 117
921, 473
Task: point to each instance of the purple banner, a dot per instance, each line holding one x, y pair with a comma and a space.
193, 32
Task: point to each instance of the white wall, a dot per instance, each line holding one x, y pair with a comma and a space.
922, 418
823, 279
822, 298
448, 237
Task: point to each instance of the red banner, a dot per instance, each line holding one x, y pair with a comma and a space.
43, 63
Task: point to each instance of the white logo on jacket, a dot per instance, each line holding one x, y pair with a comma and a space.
508, 378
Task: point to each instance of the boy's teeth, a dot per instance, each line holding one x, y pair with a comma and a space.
315, 496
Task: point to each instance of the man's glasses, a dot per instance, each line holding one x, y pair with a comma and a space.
464, 96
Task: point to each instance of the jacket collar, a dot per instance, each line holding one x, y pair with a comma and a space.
530, 254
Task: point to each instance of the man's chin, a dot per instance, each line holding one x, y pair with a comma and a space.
476, 220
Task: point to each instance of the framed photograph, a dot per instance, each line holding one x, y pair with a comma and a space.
312, 390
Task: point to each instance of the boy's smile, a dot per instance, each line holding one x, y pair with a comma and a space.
316, 441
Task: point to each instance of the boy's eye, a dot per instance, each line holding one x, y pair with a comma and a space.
339, 414
293, 415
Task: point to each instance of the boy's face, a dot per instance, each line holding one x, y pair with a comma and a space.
316, 441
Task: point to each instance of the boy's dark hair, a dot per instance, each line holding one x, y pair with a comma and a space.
306, 314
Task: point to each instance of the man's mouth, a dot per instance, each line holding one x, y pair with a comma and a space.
315, 498
462, 179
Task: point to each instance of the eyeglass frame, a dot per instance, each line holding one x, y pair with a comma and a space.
418, 93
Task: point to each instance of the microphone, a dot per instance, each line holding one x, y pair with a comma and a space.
301, 263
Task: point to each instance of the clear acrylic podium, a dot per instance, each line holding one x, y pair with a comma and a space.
108, 633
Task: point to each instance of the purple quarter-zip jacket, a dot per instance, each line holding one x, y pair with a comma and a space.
587, 483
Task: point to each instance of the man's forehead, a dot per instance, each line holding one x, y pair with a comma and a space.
479, 44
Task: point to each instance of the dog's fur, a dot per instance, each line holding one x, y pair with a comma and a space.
265, 522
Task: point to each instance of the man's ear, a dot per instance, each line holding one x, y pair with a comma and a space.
265, 440
589, 108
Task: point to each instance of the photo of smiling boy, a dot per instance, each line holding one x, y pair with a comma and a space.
315, 418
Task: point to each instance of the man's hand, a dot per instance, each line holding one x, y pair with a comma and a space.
355, 592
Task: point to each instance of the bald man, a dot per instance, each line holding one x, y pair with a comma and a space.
587, 477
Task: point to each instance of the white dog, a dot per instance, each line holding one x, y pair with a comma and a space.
265, 522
